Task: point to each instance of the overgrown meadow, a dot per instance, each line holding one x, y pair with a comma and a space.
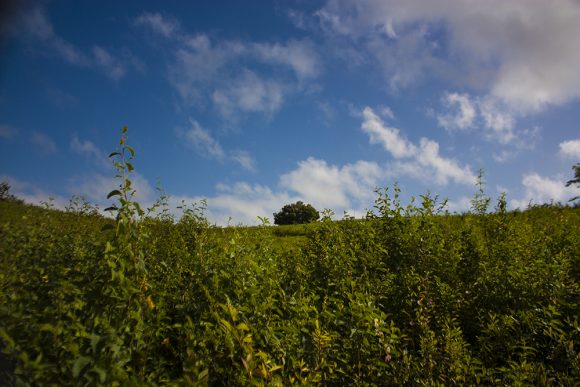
408, 296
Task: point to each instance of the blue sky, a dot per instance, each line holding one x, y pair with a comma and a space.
256, 104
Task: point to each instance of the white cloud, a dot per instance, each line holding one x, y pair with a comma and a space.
249, 93
423, 161
439, 168
503, 155
244, 159
341, 188
406, 60
89, 149
299, 19
229, 73
31, 193
570, 149
243, 203
203, 141
95, 187
112, 67
329, 186
497, 121
539, 189
463, 109
206, 145
386, 112
33, 23
459, 205
525, 54
389, 137
163, 25
300, 56
45, 144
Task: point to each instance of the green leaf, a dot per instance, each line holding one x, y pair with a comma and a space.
112, 208
203, 375
131, 150
130, 167
101, 372
139, 209
95, 340
8, 340
79, 365
113, 193
114, 154
242, 327
108, 226
124, 130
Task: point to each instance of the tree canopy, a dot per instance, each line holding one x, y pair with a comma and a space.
296, 213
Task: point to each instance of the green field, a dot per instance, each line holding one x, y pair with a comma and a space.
409, 297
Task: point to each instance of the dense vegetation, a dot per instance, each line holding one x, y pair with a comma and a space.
409, 296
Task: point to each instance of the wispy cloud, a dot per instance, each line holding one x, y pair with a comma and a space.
422, 161
34, 24
244, 159
299, 55
111, 66
89, 149
505, 52
389, 137
95, 187
238, 77
204, 143
32, 193
462, 112
540, 189
249, 93
496, 120
330, 186
341, 188
163, 25
570, 149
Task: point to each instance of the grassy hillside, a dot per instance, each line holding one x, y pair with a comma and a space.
410, 297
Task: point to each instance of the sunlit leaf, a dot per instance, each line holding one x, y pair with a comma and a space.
115, 192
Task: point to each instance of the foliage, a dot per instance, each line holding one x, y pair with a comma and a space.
409, 296
296, 213
575, 180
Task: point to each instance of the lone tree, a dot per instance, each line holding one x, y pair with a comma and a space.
575, 180
296, 213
